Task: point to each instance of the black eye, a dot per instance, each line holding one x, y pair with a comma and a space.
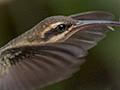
62, 27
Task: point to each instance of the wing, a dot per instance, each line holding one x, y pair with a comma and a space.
88, 37
32, 67
93, 15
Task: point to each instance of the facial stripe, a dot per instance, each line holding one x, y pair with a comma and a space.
52, 26
56, 36
50, 33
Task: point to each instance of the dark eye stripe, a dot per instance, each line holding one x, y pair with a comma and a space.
49, 34
52, 32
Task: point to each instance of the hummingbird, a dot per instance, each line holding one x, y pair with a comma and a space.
51, 51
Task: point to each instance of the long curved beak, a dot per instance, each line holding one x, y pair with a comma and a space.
87, 23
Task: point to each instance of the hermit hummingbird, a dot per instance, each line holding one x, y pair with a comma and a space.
51, 51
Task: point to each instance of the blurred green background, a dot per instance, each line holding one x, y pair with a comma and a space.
102, 69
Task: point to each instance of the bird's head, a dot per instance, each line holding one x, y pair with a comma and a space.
54, 29
59, 28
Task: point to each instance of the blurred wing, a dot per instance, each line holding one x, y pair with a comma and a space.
34, 67
88, 37
93, 15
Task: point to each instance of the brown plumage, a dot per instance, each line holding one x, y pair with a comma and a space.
51, 51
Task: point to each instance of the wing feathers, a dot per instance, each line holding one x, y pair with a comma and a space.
71, 49
88, 37
93, 15
45, 65
93, 33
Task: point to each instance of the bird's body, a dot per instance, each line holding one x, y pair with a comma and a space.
51, 51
